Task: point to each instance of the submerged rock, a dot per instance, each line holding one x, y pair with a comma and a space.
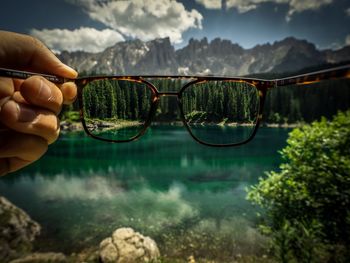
17, 231
128, 246
42, 258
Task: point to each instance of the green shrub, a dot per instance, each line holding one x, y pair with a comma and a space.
70, 116
307, 203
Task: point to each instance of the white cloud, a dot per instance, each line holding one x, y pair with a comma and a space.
146, 19
84, 38
295, 6
243, 5
210, 4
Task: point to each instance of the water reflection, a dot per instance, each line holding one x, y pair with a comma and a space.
81, 211
167, 187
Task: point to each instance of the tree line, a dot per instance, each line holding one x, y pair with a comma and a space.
111, 99
213, 102
307, 103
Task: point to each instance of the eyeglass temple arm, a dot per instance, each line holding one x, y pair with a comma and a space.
10, 73
314, 77
333, 73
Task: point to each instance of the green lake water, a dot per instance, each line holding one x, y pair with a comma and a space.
190, 198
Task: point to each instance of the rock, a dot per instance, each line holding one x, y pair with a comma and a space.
71, 126
42, 258
17, 231
108, 251
128, 246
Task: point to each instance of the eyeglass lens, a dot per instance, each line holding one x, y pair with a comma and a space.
116, 109
221, 112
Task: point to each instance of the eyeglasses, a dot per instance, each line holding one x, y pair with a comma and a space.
217, 111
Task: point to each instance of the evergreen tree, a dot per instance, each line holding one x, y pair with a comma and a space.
134, 101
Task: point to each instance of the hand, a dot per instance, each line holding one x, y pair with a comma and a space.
29, 108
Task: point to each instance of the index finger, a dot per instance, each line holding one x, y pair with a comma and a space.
28, 53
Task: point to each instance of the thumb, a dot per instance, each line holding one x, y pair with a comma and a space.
28, 53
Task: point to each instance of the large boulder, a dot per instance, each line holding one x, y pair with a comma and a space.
128, 246
17, 231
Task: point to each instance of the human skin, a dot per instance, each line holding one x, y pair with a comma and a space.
29, 108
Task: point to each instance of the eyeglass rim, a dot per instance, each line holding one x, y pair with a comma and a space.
261, 91
145, 125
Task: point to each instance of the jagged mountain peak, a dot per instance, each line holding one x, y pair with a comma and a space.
200, 56
165, 41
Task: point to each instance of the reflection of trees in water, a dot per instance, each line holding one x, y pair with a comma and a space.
80, 211
93, 188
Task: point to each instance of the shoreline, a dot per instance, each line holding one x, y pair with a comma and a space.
68, 126
283, 125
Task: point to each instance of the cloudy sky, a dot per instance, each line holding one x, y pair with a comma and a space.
93, 25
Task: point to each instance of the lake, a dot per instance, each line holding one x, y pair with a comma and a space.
190, 198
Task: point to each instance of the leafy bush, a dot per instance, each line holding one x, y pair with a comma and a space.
307, 203
70, 116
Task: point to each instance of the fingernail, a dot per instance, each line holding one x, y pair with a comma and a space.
44, 91
26, 114
71, 72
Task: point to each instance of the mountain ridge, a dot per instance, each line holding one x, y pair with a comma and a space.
217, 57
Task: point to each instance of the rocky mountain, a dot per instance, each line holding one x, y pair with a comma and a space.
218, 57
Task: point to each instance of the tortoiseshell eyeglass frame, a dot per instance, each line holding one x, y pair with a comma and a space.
262, 86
